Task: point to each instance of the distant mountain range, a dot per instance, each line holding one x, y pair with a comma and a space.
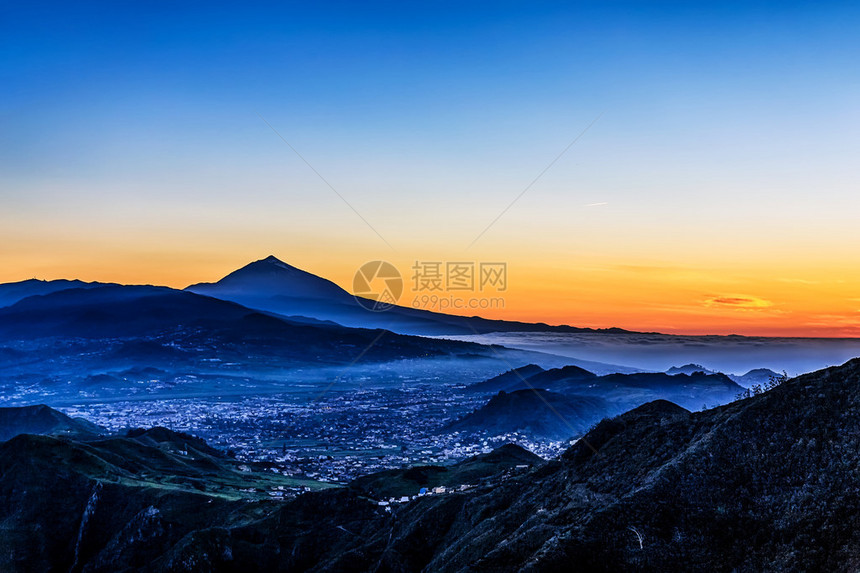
261, 319
10, 293
112, 340
506, 381
758, 376
172, 321
274, 286
761, 484
563, 403
689, 369
269, 286
68, 338
620, 391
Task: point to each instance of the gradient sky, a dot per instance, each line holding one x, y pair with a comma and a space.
718, 192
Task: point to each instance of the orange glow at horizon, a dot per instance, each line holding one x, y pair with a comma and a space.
655, 169
673, 299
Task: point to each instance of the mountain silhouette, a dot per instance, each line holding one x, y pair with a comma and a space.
130, 326
272, 278
275, 286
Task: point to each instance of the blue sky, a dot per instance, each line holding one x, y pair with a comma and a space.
439, 76
131, 134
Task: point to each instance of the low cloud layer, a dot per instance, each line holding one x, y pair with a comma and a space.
737, 301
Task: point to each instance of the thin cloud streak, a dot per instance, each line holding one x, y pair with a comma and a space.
738, 301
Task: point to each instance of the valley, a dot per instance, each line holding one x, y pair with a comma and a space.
297, 434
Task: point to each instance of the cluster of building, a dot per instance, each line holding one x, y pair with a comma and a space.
438, 490
333, 438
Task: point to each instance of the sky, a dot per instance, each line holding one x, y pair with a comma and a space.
684, 167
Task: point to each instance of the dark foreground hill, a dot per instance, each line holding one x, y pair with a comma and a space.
469, 472
764, 484
43, 420
119, 503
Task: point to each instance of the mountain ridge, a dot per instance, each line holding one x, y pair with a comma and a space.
11, 293
273, 285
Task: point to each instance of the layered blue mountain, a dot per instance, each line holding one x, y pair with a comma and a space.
689, 369
10, 293
132, 339
506, 380
621, 391
756, 376
274, 286
156, 313
538, 414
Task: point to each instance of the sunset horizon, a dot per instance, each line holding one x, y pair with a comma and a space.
718, 311
632, 176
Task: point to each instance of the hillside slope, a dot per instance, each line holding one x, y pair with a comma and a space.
120, 502
764, 484
471, 471
43, 420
